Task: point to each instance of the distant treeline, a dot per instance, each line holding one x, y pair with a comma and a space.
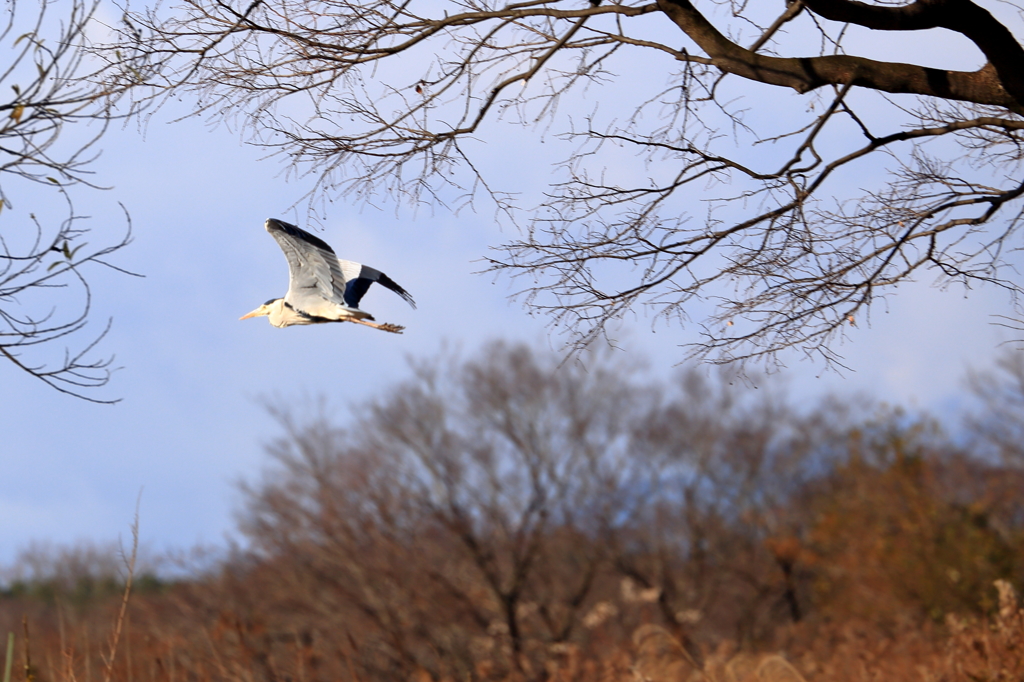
513, 516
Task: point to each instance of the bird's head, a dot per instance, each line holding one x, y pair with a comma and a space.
264, 309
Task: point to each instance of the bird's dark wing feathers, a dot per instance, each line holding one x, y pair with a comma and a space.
298, 233
391, 284
313, 265
361, 277
355, 289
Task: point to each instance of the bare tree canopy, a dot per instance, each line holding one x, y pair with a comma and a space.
509, 499
45, 296
751, 168
489, 515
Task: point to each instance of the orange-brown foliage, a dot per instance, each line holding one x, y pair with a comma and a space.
166, 640
507, 520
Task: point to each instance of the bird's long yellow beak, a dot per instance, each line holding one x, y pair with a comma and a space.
254, 313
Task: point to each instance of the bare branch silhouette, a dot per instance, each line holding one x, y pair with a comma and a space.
49, 130
685, 202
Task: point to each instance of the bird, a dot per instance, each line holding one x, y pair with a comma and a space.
322, 287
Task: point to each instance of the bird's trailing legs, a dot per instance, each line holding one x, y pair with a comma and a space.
387, 326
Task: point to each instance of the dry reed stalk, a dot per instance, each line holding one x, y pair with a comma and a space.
10, 657
119, 624
348, 659
30, 673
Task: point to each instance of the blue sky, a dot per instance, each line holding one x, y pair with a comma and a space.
190, 423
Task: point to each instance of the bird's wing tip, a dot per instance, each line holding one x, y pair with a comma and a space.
395, 287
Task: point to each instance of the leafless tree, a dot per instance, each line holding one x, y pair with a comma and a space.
58, 111
496, 511
716, 196
999, 425
716, 543
459, 519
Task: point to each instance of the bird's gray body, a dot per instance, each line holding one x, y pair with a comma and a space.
321, 287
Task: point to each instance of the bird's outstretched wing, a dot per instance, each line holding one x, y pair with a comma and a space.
316, 273
359, 277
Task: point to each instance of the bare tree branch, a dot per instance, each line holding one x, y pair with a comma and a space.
45, 295
666, 201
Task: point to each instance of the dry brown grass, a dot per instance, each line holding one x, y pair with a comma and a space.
988, 650
554, 526
175, 637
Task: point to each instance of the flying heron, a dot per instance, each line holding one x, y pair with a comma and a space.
321, 287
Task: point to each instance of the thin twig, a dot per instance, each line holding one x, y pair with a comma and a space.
130, 564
